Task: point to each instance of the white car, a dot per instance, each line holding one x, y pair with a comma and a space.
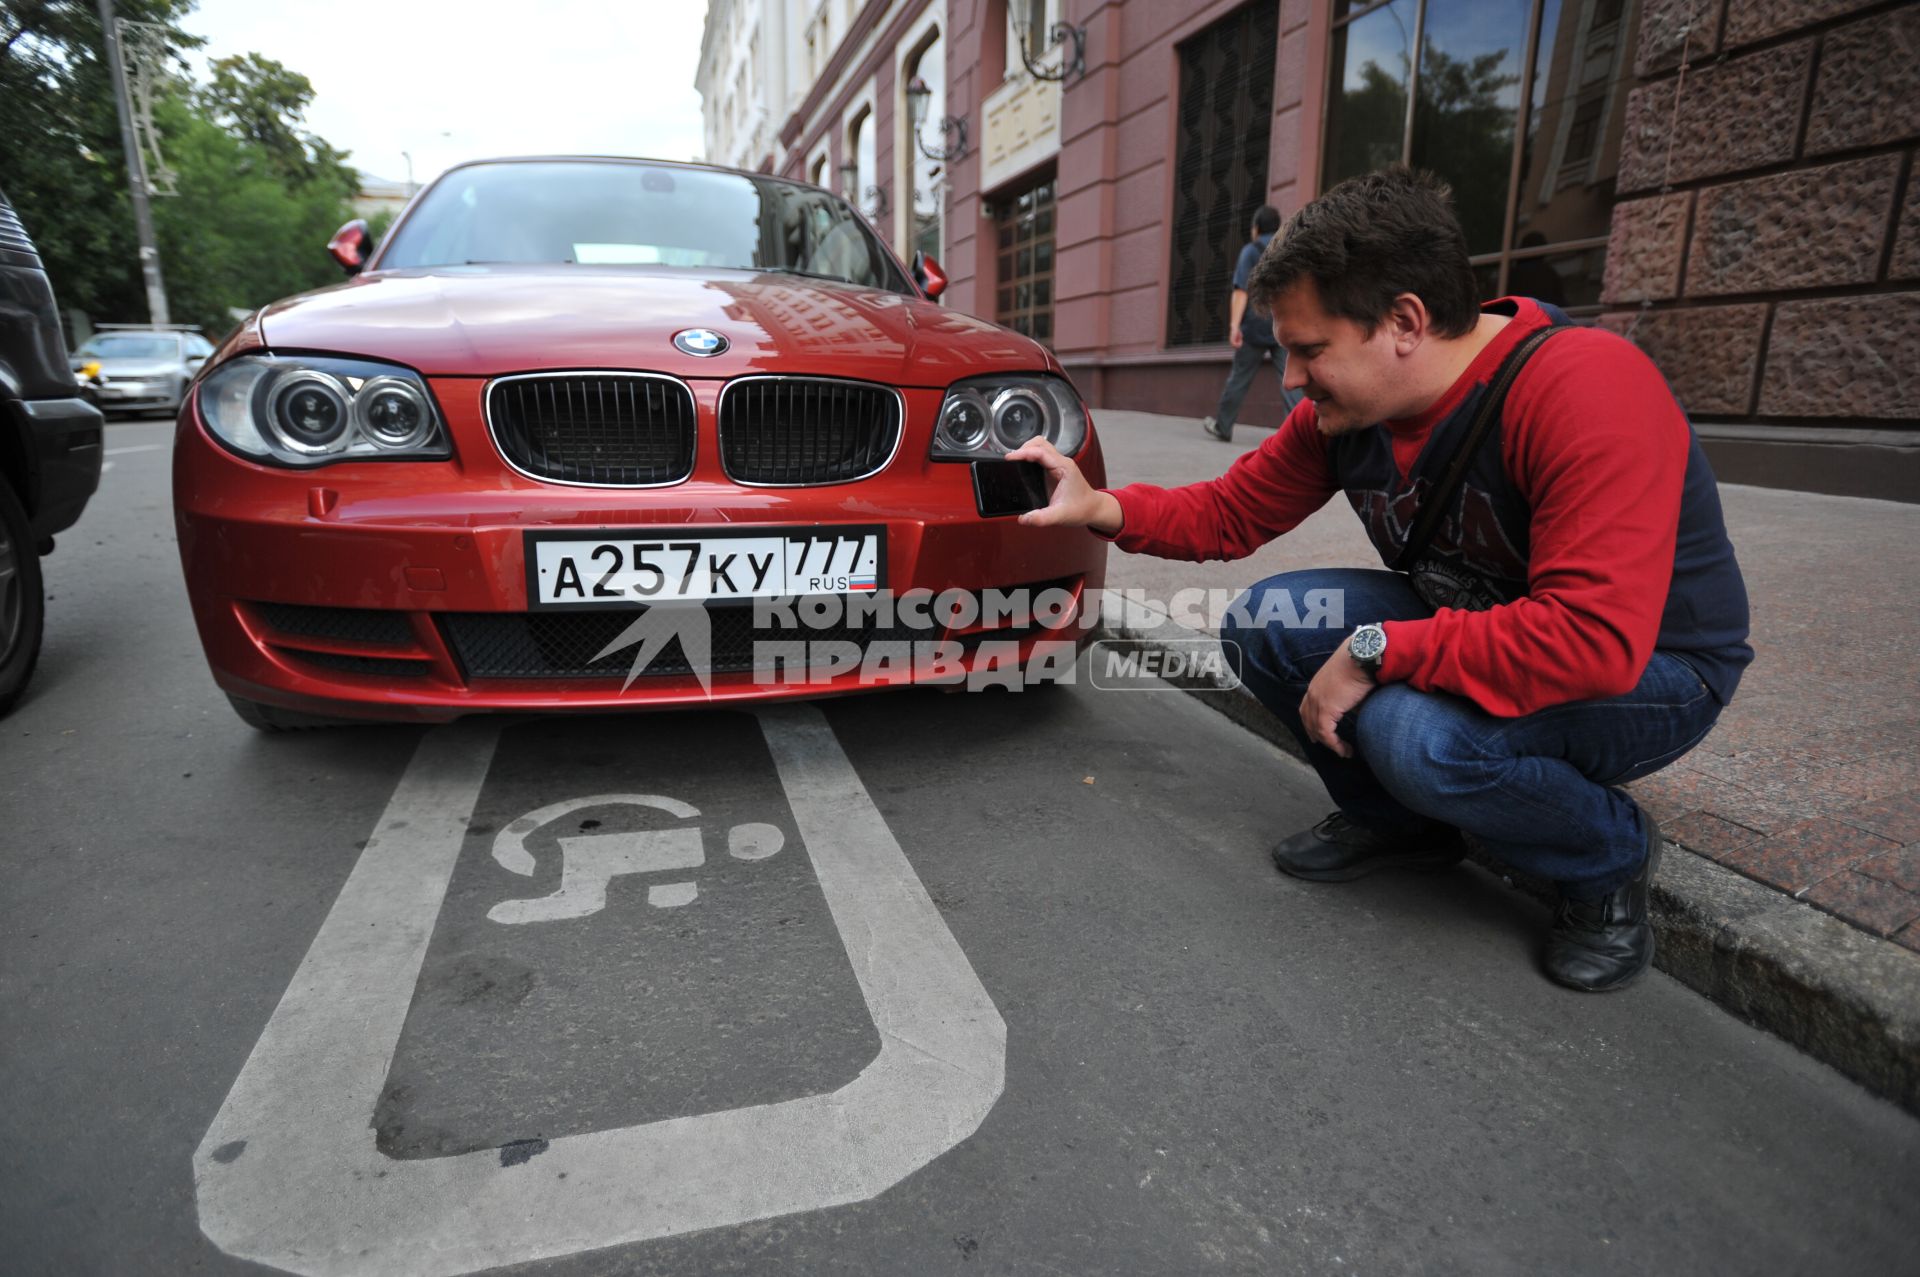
141, 369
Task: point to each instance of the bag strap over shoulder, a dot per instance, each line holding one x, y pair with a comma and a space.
1440, 496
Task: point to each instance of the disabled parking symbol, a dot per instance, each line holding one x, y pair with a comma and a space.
594, 860
290, 1173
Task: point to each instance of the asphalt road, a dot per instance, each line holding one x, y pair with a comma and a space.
925, 983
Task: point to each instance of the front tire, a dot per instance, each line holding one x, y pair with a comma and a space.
23, 601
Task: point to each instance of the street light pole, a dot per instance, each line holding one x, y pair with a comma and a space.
136, 172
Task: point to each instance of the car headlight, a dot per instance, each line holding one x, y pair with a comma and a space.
984, 418
313, 410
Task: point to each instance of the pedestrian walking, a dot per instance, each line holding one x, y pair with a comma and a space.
1563, 613
1251, 334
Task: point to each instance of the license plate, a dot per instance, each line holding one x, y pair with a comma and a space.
613, 568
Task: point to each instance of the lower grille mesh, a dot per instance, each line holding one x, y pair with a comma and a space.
370, 666
563, 644
345, 624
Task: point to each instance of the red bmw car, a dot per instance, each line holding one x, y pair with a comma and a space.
592, 433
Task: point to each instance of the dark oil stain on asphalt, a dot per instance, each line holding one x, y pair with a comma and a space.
228, 1152
520, 1152
483, 979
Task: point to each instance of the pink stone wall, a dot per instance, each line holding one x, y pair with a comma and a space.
1767, 242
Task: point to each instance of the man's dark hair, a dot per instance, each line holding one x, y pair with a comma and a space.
1266, 220
1368, 240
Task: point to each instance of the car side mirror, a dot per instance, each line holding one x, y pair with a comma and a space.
928, 275
349, 246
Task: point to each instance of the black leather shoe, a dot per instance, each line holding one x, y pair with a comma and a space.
1598, 945
1337, 850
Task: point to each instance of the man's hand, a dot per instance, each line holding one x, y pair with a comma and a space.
1335, 692
1074, 503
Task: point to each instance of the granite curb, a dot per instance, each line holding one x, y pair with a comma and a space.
1847, 998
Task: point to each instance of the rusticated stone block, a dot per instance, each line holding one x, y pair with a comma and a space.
1643, 249
1665, 25
1751, 20
1708, 353
1869, 86
1906, 240
1739, 115
1805, 229
1847, 357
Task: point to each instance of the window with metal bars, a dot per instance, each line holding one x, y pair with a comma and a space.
1024, 239
1224, 124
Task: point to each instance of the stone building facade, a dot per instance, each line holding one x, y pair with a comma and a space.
1766, 247
1728, 182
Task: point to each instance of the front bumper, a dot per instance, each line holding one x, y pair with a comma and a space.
138, 395
61, 441
399, 590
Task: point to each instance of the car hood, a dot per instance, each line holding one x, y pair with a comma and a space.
488, 320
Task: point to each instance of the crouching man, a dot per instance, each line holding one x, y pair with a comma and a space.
1566, 613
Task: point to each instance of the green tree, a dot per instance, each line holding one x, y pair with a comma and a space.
239, 235
60, 155
263, 103
257, 198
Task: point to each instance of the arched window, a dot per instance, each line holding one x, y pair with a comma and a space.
860, 148
926, 178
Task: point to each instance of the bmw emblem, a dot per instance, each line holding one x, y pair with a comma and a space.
700, 341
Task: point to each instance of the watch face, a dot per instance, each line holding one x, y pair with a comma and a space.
1368, 643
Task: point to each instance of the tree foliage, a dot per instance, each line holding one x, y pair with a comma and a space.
257, 195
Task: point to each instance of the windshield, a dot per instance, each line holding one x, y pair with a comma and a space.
128, 346
629, 214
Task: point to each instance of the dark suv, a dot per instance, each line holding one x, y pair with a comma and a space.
50, 447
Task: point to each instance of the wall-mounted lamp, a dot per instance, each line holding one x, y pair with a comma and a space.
875, 203
1061, 33
919, 96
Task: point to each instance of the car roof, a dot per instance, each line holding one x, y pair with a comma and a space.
694, 165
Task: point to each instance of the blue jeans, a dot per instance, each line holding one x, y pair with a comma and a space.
1540, 791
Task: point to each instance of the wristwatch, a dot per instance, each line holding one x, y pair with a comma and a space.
1368, 647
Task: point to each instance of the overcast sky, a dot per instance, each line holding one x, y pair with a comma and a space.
449, 82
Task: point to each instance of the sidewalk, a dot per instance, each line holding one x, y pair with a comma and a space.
1798, 814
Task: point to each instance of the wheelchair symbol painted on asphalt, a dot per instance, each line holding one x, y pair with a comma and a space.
594, 860
290, 1174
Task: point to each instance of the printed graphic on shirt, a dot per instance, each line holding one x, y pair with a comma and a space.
1471, 563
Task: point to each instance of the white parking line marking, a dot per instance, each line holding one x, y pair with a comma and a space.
289, 1173
669, 895
134, 447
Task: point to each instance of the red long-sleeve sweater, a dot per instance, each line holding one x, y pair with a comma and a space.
1595, 445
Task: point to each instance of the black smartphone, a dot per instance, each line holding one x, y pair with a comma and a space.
1009, 487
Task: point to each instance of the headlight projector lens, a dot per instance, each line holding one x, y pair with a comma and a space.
309, 412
